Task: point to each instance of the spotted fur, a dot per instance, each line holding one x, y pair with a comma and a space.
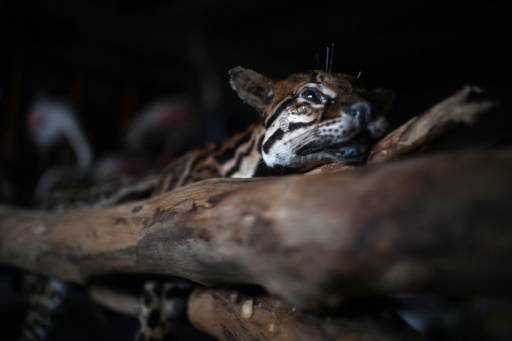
307, 119
162, 305
45, 298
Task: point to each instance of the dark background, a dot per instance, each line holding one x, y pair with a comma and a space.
110, 58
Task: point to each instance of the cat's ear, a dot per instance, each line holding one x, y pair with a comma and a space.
253, 88
382, 101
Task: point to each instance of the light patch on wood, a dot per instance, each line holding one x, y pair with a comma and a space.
185, 205
271, 328
247, 309
249, 219
39, 229
404, 273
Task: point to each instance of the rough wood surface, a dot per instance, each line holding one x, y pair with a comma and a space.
438, 223
231, 315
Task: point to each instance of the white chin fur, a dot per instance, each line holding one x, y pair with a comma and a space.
290, 160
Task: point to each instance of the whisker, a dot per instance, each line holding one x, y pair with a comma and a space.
327, 60
303, 141
332, 54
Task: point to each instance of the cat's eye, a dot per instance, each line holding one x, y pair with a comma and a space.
311, 95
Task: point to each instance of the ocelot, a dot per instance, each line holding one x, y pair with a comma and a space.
308, 119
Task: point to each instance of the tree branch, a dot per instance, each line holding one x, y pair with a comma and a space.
233, 315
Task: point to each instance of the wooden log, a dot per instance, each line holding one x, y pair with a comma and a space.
438, 224
232, 315
245, 314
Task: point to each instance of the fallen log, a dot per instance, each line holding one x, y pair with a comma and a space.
436, 224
